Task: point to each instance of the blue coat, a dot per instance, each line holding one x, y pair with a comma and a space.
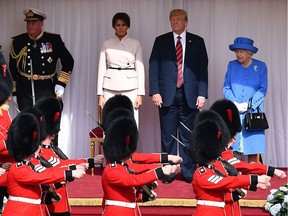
240, 85
163, 69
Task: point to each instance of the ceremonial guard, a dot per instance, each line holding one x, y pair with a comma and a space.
210, 182
33, 60
121, 105
23, 178
6, 86
51, 108
5, 121
230, 114
120, 179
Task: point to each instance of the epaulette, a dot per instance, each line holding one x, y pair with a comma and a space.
19, 36
113, 164
201, 170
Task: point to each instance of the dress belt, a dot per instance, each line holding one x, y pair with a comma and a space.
119, 68
120, 203
211, 203
36, 76
24, 199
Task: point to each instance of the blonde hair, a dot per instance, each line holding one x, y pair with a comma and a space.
176, 12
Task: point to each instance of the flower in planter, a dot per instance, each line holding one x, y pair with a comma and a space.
277, 201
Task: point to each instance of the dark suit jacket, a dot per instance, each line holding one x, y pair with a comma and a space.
163, 69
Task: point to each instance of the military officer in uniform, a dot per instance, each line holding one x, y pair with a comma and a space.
33, 60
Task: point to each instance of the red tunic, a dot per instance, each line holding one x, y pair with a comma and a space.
119, 185
24, 182
62, 205
247, 168
233, 208
208, 186
149, 157
5, 121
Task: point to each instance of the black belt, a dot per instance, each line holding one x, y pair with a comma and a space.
119, 68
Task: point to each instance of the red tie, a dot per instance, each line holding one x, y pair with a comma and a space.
179, 57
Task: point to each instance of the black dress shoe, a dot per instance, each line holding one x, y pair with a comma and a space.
188, 180
167, 180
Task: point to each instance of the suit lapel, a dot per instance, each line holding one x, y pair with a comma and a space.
171, 45
188, 46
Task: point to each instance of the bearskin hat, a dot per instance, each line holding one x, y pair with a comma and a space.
115, 114
121, 138
115, 102
229, 113
40, 117
51, 108
4, 93
23, 136
209, 138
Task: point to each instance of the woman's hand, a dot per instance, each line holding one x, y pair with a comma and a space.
138, 102
101, 101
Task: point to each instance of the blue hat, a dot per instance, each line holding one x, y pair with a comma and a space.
243, 43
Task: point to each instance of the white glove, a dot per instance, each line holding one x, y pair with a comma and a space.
59, 91
237, 105
242, 107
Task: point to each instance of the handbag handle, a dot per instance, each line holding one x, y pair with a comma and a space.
249, 105
250, 108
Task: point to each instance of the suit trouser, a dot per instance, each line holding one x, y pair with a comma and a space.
170, 118
131, 94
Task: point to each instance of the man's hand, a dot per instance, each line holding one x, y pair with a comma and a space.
82, 166
78, 173
175, 159
171, 169
279, 173
6, 165
2, 171
200, 103
264, 179
157, 100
